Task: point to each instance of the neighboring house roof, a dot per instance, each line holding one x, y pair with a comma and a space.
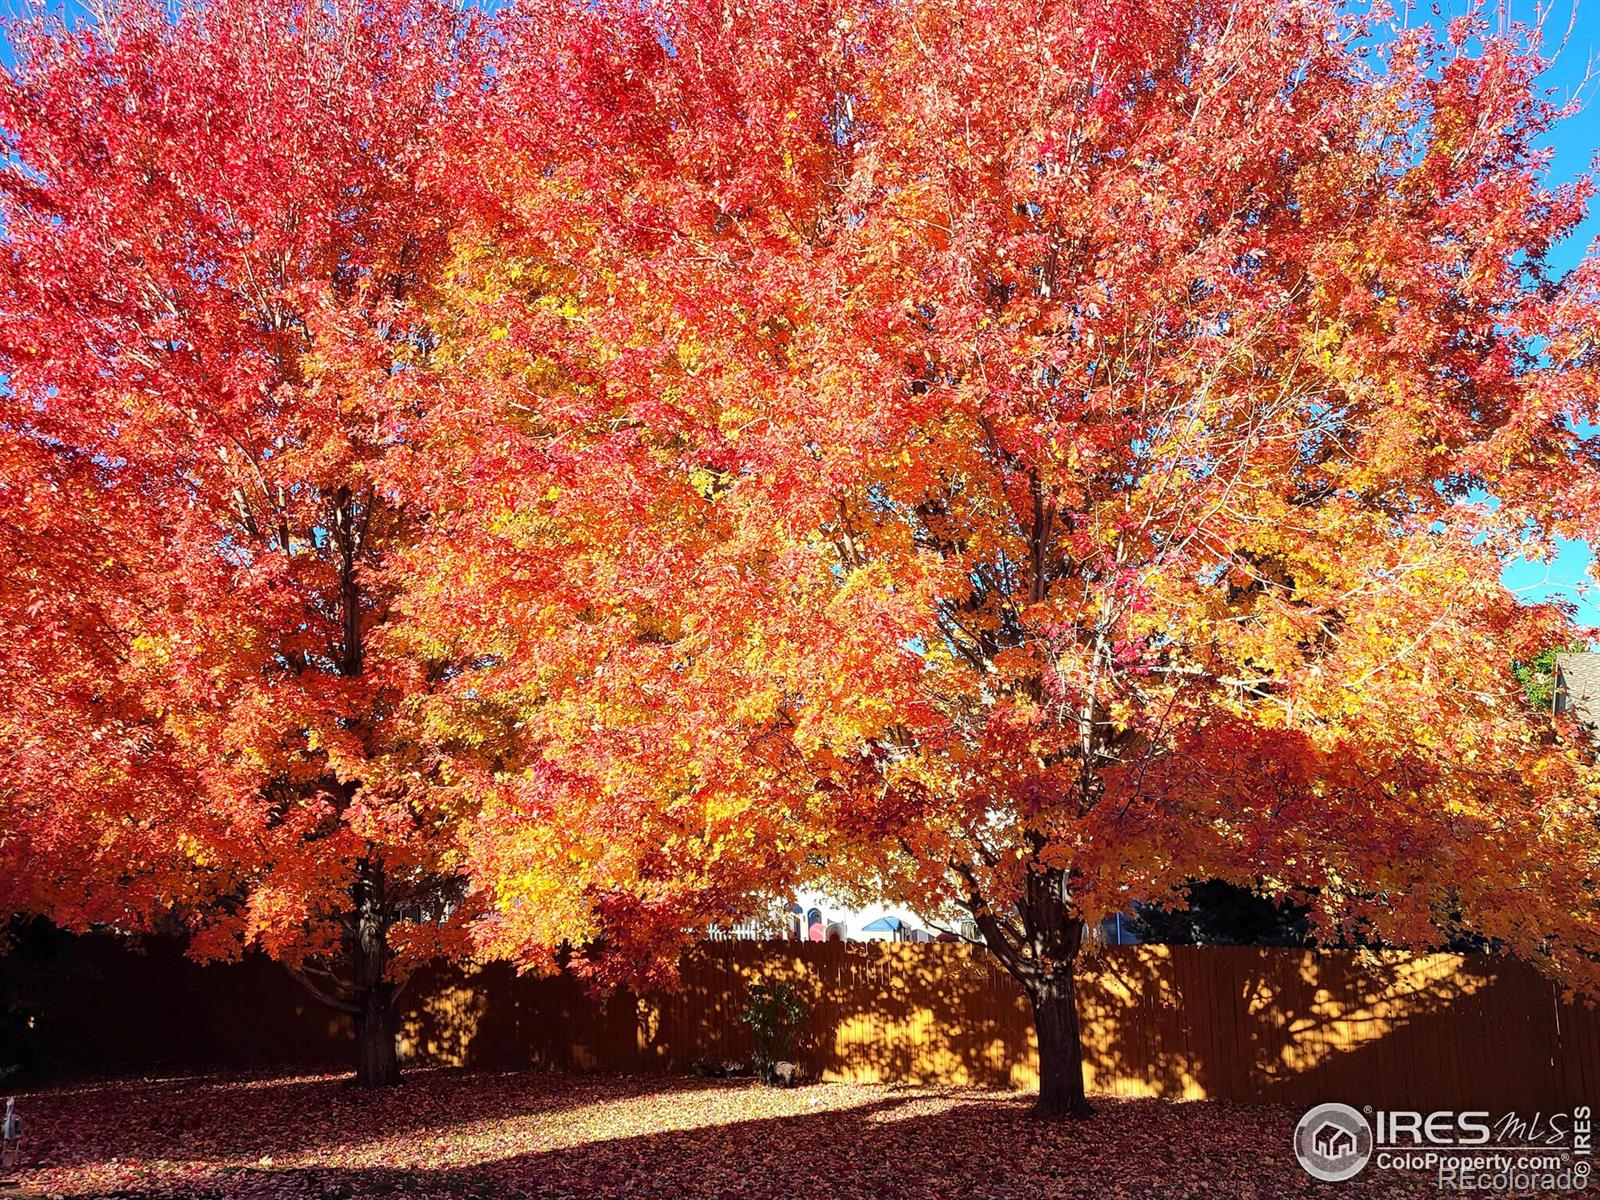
1578, 686
883, 925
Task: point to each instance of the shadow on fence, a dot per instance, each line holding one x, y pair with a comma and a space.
1391, 1029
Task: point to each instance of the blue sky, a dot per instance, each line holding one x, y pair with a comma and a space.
1572, 36
1575, 146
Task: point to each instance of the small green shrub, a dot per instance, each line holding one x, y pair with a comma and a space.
775, 1014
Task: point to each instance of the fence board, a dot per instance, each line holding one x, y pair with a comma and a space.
1389, 1029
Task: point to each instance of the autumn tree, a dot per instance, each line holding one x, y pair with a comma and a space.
1027, 459
1085, 437
221, 227
632, 757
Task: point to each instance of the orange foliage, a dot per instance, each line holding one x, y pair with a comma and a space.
1023, 459
1010, 458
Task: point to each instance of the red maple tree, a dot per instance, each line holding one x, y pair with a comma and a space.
1039, 456
1015, 459
221, 228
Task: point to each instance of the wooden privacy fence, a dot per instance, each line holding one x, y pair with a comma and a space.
1394, 1030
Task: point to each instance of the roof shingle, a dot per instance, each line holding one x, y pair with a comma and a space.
1578, 686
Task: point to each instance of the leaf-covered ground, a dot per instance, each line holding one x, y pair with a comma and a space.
467, 1134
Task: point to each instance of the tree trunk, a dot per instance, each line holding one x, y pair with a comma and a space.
1039, 946
1055, 1021
377, 1064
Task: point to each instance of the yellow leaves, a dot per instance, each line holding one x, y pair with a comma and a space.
1323, 343
193, 850
724, 810
706, 482
757, 707
150, 650
735, 419
872, 576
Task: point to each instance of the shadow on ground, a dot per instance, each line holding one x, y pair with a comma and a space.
477, 1135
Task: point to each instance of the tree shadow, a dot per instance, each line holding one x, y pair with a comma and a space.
1238, 1023
1303, 1027
245, 1117
897, 1147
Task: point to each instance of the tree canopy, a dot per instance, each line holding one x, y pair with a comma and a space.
1055, 455
221, 232
633, 457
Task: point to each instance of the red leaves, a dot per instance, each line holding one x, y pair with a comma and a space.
608, 1138
649, 456
216, 235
